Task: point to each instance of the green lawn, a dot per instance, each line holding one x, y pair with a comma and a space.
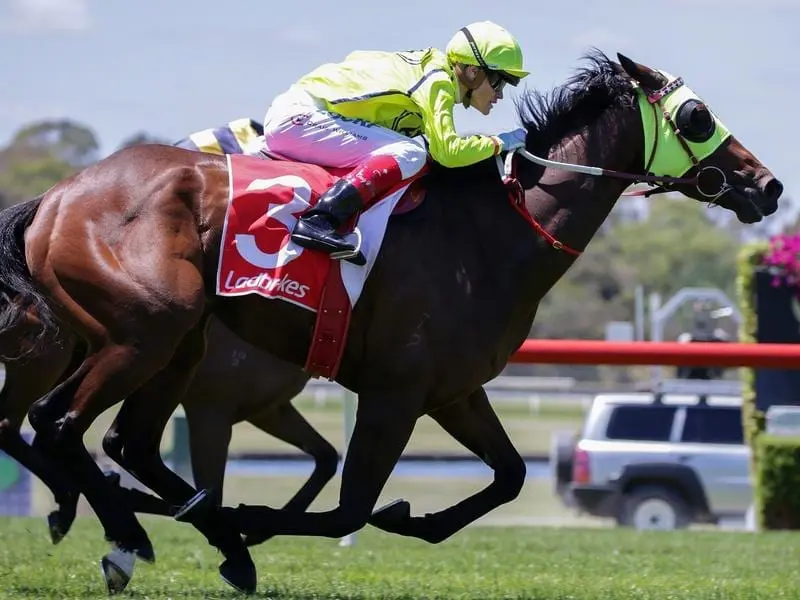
530, 431
536, 503
480, 563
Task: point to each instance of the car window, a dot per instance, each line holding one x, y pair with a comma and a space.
713, 425
641, 423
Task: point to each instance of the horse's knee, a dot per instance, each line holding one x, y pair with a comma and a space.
140, 456
65, 432
510, 478
112, 446
133, 453
9, 432
39, 417
326, 460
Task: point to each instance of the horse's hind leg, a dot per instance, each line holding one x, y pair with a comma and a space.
27, 379
474, 423
384, 423
11, 442
287, 424
135, 445
62, 417
60, 520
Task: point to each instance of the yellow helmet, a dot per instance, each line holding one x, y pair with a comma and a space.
487, 45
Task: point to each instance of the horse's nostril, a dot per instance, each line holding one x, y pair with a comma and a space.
773, 189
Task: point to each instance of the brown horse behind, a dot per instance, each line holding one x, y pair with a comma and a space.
126, 253
259, 389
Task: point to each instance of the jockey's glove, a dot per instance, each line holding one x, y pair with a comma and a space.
511, 140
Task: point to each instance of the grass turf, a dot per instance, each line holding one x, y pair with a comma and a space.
478, 563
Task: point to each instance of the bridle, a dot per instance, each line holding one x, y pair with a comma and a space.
661, 183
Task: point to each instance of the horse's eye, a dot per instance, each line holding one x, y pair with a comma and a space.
695, 121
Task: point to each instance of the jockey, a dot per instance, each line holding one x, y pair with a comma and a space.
362, 114
240, 136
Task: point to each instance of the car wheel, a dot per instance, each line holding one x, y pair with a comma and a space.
653, 508
562, 448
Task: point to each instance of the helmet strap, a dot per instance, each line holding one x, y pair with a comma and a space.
474, 47
467, 101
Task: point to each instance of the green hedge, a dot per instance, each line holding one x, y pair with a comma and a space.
749, 260
778, 482
775, 460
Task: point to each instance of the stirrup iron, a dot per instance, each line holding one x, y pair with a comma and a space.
355, 255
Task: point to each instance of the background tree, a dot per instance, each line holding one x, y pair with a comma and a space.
41, 154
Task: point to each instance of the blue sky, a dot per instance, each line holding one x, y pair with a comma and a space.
171, 67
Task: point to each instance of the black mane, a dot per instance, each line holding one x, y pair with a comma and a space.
587, 94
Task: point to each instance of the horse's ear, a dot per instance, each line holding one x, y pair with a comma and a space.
647, 77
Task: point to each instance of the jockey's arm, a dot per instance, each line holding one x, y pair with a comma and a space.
436, 97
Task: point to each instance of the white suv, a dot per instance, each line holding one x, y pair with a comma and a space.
662, 461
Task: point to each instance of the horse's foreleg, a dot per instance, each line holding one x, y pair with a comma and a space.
136, 500
210, 432
288, 425
384, 423
475, 425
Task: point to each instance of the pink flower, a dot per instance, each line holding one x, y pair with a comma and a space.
783, 258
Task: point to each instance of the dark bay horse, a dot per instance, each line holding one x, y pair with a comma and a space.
126, 253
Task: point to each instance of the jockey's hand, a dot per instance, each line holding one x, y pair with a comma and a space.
511, 140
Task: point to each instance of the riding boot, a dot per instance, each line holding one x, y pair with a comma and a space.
318, 228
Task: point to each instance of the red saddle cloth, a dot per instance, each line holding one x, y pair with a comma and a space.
257, 257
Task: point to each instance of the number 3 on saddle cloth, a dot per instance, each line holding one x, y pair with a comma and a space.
257, 257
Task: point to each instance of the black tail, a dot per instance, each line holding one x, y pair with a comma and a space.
18, 295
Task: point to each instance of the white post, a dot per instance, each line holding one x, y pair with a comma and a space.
639, 313
656, 371
350, 404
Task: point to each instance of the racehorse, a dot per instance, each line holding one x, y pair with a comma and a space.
126, 252
259, 387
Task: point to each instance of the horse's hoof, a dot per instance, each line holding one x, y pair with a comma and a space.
117, 568
59, 522
197, 507
55, 527
240, 575
389, 516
